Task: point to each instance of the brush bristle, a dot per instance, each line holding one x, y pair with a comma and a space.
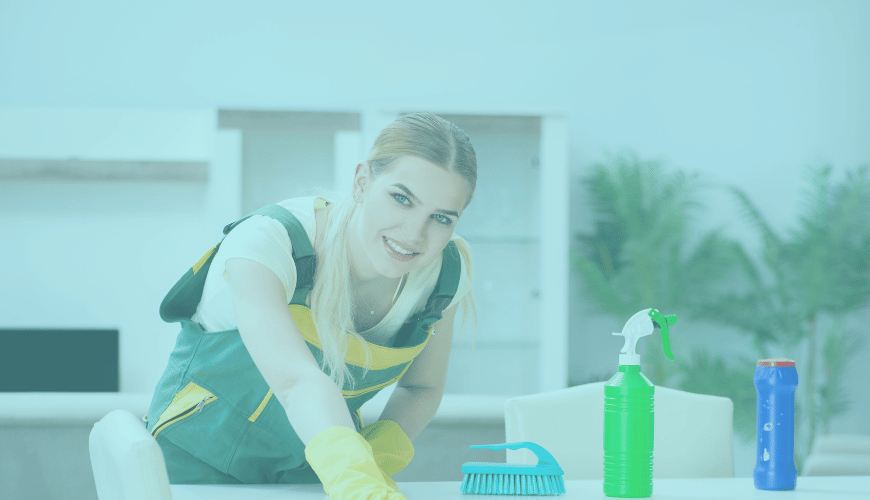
512, 484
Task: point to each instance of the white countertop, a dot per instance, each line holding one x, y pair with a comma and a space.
41, 409
808, 488
455, 408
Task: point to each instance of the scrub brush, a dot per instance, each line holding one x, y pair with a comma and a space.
483, 478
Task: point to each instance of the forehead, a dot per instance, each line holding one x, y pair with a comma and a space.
433, 185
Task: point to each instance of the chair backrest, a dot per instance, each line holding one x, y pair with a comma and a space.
127, 462
839, 455
842, 443
694, 433
836, 464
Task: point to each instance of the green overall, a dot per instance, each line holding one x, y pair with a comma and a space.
213, 414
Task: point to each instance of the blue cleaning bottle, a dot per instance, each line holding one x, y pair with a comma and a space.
775, 381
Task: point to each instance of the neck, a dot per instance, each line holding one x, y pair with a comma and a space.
361, 270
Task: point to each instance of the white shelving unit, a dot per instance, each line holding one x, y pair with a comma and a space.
105, 144
517, 224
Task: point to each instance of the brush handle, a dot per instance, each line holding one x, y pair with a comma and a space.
544, 456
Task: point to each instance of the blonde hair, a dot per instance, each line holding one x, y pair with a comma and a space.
425, 136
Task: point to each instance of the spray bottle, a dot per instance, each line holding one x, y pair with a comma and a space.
628, 412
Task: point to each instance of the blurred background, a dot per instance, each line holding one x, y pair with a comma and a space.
708, 159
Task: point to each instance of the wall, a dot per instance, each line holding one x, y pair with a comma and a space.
69, 261
745, 93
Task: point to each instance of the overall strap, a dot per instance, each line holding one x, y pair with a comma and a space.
303, 252
439, 299
181, 301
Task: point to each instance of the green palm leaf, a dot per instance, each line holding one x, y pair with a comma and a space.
637, 257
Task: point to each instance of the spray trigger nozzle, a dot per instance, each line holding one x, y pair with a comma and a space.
640, 325
662, 322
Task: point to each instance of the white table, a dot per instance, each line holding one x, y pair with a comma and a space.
739, 488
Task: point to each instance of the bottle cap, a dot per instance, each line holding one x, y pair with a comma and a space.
775, 362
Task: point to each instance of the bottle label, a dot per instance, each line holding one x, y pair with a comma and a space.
775, 362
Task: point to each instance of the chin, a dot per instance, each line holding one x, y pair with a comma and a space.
394, 274
397, 271
392, 271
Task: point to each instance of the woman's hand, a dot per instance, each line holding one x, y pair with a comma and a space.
344, 463
391, 447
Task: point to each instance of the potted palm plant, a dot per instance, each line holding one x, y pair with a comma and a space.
638, 254
638, 257
801, 290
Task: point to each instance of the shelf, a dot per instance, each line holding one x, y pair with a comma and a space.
495, 345
13, 169
499, 240
295, 121
496, 124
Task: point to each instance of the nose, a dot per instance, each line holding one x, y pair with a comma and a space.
414, 230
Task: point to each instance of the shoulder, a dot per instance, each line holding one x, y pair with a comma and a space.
303, 209
255, 231
466, 276
465, 260
464, 250
430, 272
264, 239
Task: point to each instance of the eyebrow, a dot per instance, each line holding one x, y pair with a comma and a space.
414, 197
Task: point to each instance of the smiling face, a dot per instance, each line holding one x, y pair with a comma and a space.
405, 217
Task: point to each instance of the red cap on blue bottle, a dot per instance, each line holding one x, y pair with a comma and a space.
775, 362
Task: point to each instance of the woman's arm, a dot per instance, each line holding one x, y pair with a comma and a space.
311, 399
418, 393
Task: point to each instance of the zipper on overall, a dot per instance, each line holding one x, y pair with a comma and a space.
184, 414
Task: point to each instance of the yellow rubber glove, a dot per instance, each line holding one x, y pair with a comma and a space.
391, 447
343, 461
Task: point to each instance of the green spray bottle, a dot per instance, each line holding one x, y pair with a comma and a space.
628, 412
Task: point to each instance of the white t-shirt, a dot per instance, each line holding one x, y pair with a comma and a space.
265, 240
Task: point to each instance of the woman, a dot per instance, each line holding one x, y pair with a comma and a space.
252, 390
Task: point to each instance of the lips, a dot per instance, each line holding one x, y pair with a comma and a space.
397, 251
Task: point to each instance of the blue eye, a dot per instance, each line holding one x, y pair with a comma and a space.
443, 219
402, 199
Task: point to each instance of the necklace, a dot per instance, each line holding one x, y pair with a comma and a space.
395, 294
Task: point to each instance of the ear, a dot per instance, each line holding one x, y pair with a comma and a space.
361, 179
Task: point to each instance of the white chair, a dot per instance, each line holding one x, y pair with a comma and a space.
836, 464
842, 443
693, 432
127, 462
839, 455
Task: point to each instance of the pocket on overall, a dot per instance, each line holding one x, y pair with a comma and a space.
189, 401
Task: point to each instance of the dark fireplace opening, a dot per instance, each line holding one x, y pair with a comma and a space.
59, 360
